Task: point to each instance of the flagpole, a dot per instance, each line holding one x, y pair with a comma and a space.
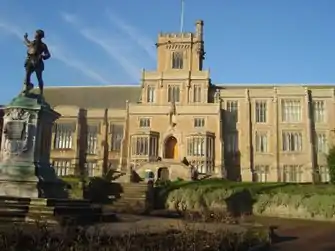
182, 16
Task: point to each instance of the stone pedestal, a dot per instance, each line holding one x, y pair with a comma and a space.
25, 169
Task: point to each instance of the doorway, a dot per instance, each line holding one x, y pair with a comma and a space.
171, 148
163, 174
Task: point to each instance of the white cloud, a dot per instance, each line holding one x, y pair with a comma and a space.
105, 42
131, 69
12, 30
59, 54
137, 36
70, 18
63, 56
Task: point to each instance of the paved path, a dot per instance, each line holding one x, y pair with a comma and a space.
289, 234
301, 235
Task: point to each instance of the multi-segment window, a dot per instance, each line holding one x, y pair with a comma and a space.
64, 133
261, 111
177, 60
151, 91
319, 111
261, 141
173, 93
116, 136
292, 141
291, 110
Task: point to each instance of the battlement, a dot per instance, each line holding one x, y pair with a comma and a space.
175, 35
180, 35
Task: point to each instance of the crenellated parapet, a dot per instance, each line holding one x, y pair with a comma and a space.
175, 35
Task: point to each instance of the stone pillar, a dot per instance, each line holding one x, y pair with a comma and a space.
245, 141
308, 174
219, 145
275, 173
25, 169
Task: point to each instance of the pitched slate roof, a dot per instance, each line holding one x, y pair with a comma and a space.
93, 96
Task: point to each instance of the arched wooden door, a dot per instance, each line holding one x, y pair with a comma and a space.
171, 148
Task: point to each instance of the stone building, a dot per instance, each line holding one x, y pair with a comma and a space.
245, 132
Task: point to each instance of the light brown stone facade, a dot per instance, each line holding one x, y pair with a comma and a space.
251, 132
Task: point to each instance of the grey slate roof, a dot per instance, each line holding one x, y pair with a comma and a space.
93, 96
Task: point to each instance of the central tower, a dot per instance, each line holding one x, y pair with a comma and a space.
179, 76
181, 51
176, 116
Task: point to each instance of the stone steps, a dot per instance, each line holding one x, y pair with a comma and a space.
134, 188
132, 199
51, 210
25, 207
47, 212
43, 202
19, 210
123, 206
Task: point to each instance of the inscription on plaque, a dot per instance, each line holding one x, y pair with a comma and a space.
14, 130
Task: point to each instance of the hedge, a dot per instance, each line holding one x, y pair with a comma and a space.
272, 199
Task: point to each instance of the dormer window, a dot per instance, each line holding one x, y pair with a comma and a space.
177, 60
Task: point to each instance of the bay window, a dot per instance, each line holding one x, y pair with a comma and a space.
145, 145
200, 152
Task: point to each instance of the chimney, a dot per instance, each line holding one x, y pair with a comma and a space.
199, 28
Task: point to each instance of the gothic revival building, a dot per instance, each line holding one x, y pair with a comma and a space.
260, 133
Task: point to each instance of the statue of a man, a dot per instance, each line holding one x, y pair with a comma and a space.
36, 53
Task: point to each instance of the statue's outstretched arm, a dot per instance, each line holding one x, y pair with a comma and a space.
26, 41
46, 53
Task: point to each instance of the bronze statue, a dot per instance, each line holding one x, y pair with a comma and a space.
36, 53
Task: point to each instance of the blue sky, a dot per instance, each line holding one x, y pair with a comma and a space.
105, 42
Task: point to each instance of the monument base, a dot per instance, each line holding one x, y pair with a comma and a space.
18, 179
25, 189
33, 189
25, 169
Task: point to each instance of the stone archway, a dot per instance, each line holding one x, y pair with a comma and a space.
171, 148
